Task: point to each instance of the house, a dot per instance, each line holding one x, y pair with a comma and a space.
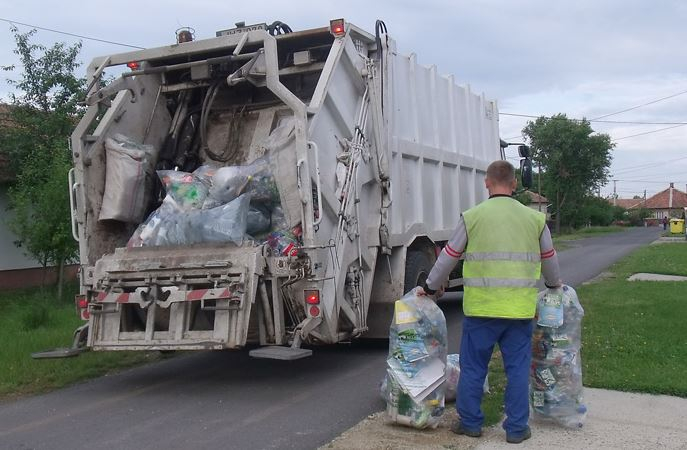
17, 270
667, 203
628, 203
539, 203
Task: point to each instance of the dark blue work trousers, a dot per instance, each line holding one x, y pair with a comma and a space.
515, 341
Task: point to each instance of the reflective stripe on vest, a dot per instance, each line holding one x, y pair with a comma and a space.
499, 282
502, 259
506, 256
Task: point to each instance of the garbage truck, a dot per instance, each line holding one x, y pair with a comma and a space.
371, 155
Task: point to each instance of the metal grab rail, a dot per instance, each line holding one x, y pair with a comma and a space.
318, 184
72, 204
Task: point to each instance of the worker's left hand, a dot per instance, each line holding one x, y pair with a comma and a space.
421, 292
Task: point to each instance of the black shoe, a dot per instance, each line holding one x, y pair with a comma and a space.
511, 439
457, 428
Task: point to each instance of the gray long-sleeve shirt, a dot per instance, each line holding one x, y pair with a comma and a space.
455, 247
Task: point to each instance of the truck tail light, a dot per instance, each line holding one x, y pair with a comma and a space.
82, 306
312, 297
337, 27
314, 311
133, 65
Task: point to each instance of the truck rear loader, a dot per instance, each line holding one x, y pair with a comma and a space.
374, 156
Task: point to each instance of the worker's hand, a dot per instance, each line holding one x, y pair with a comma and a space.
420, 292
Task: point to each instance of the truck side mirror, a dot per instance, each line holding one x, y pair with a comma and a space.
524, 151
526, 173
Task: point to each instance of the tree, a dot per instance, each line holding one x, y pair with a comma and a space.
573, 161
41, 116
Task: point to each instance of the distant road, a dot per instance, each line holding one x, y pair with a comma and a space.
226, 400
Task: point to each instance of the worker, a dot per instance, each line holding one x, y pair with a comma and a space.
506, 247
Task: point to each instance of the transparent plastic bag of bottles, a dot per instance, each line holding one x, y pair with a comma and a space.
453, 376
416, 363
556, 392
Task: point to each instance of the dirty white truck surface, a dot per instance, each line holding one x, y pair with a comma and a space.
374, 157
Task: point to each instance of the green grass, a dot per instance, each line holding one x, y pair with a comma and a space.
33, 320
492, 403
633, 331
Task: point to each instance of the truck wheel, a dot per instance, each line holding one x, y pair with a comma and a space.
418, 267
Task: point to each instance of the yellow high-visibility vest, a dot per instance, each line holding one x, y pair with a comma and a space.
502, 259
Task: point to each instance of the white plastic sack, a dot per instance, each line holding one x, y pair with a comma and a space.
129, 168
556, 392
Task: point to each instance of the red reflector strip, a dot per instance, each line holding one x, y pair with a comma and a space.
196, 295
451, 252
101, 296
123, 298
548, 254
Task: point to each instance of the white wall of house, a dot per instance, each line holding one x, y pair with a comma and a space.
541, 207
11, 257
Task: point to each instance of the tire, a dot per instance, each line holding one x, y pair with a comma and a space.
418, 266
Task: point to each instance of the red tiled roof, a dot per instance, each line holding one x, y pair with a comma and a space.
662, 200
628, 203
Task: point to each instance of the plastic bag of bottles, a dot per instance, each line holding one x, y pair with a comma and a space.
556, 391
258, 220
186, 189
227, 184
453, 376
169, 225
416, 363
285, 242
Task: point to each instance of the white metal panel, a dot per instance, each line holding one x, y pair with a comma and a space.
443, 136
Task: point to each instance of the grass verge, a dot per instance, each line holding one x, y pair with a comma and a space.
34, 320
633, 338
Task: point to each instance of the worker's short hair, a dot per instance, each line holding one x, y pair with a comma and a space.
501, 172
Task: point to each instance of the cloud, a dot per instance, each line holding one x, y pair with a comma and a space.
584, 58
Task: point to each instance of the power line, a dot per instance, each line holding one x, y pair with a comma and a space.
648, 132
14, 22
642, 166
594, 120
640, 106
652, 181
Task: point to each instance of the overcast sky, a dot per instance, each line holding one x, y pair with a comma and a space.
536, 57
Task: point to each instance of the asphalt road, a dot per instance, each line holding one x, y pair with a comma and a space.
223, 400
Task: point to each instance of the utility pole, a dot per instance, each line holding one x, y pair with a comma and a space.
615, 195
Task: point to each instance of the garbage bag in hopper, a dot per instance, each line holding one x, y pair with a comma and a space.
128, 172
556, 392
187, 190
416, 363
